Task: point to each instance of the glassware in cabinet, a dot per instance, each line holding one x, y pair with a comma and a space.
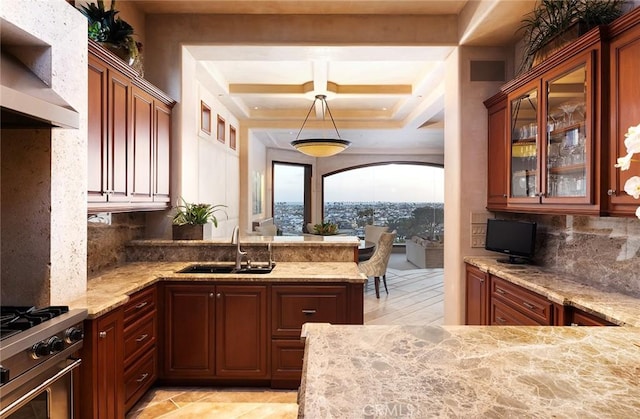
524, 145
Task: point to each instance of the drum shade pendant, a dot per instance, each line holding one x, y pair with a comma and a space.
320, 147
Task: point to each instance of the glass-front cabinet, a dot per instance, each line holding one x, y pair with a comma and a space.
551, 136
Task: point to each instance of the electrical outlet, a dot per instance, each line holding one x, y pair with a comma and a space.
478, 229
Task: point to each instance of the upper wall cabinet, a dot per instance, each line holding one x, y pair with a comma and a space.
624, 106
557, 145
129, 138
551, 151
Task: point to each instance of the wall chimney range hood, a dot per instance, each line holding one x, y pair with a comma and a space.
26, 101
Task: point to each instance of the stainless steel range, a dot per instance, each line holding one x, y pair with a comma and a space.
37, 348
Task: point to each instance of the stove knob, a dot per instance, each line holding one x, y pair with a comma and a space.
39, 350
55, 344
73, 334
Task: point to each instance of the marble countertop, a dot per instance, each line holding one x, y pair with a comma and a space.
307, 239
470, 371
112, 289
617, 308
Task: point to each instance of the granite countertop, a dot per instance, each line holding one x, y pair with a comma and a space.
561, 288
470, 371
112, 289
307, 239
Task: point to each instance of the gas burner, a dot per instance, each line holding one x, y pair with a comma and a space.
14, 319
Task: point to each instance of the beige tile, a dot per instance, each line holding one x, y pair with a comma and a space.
153, 411
273, 411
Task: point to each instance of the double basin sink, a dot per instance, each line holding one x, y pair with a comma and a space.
225, 269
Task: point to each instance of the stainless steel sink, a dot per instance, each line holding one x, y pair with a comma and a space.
217, 269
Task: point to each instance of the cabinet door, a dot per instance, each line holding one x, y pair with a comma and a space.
189, 315
141, 146
582, 318
568, 157
476, 298
497, 189
118, 116
624, 52
102, 369
241, 331
524, 164
162, 147
97, 131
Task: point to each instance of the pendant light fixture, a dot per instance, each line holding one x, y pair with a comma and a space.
320, 147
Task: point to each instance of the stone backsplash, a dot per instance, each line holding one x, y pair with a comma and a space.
599, 251
106, 243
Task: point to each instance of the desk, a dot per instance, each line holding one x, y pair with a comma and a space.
365, 250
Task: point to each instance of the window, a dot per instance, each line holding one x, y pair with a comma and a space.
291, 197
409, 198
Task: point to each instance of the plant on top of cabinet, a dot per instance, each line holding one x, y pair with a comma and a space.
190, 218
632, 142
553, 23
112, 32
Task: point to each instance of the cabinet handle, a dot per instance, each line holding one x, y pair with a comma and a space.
505, 196
210, 295
500, 291
142, 304
102, 335
218, 295
500, 320
527, 305
611, 192
309, 312
142, 378
141, 338
574, 324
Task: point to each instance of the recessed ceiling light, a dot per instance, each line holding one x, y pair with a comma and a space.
384, 108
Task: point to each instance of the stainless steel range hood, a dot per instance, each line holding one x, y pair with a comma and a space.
27, 102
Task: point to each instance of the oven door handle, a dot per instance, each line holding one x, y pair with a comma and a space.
46, 383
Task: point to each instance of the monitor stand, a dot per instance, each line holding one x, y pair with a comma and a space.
514, 260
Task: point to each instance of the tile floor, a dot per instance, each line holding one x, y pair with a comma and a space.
415, 296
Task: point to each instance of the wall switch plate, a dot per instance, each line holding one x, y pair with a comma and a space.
478, 229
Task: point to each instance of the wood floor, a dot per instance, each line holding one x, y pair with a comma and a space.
415, 297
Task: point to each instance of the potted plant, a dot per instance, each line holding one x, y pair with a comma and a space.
554, 23
325, 228
112, 32
189, 219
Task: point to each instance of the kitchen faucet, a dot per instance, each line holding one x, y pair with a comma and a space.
235, 239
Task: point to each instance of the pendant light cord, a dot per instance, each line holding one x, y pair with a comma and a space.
323, 100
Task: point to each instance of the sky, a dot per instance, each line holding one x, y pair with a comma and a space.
387, 183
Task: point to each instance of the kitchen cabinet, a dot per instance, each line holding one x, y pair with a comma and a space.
101, 371
215, 332
497, 185
128, 138
624, 107
294, 305
241, 328
477, 296
140, 350
512, 304
553, 128
582, 318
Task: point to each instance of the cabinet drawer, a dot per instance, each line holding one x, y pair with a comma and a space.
505, 315
139, 337
139, 305
295, 305
139, 377
286, 359
582, 318
530, 304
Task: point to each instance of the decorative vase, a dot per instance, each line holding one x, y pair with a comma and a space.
188, 232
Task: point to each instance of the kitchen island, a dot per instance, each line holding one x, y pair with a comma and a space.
470, 371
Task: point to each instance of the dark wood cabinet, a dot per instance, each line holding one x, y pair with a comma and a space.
189, 331
624, 107
477, 296
128, 138
518, 304
241, 328
140, 345
101, 372
582, 318
497, 186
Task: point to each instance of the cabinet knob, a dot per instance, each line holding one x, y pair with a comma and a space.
505, 196
102, 335
218, 295
210, 295
611, 192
